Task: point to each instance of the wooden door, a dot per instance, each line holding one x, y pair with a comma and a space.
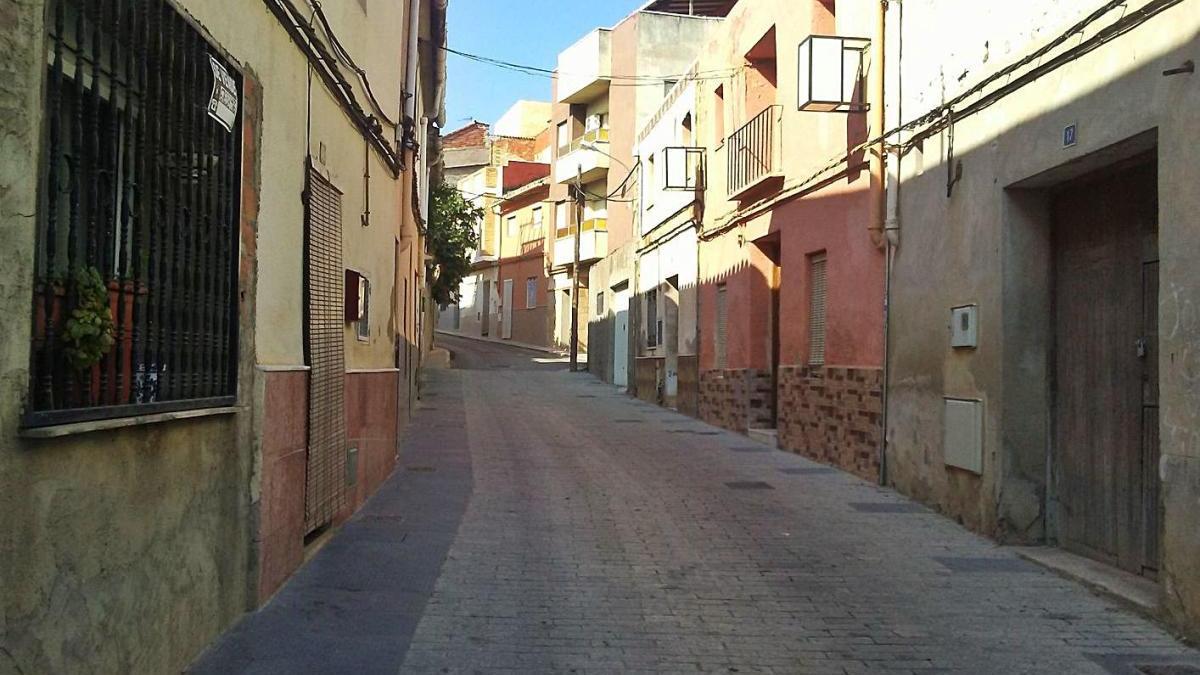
1105, 372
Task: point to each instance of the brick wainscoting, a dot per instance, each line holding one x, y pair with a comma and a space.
832, 415
736, 399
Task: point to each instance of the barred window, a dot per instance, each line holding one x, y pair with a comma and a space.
135, 283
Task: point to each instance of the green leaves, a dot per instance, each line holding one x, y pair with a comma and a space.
88, 333
452, 223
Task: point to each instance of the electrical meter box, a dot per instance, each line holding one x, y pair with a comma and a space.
964, 327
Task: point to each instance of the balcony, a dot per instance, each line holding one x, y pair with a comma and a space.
754, 152
577, 157
592, 246
584, 68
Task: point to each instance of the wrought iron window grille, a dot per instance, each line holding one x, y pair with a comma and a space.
140, 189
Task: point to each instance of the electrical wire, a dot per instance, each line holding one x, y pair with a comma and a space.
343, 55
936, 118
722, 74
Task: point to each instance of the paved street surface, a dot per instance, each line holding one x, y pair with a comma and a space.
543, 522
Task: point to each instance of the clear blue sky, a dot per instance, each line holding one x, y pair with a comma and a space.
529, 32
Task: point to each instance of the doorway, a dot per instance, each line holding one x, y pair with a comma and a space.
771, 249
485, 318
620, 296
1105, 371
506, 311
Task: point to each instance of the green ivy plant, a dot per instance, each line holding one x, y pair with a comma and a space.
88, 334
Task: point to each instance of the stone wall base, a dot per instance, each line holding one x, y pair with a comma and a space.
737, 399
832, 415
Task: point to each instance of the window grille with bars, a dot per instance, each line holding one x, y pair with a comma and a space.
816, 313
140, 189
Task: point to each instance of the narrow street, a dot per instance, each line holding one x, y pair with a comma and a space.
541, 521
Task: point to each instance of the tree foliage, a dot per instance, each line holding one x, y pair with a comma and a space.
452, 223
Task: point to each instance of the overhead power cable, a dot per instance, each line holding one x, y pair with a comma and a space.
940, 116
344, 56
618, 80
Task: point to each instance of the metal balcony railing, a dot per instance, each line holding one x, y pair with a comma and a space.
752, 152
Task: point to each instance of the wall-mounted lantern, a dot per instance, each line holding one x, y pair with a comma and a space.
831, 73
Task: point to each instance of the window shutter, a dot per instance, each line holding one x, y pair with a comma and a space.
324, 494
722, 327
816, 313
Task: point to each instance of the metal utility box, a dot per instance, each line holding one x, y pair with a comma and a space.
964, 327
962, 438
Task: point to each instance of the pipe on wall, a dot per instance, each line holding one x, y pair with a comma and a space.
891, 13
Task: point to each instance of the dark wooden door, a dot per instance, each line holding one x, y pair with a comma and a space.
1105, 423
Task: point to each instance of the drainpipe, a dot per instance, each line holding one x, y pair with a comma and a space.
410, 75
891, 211
875, 126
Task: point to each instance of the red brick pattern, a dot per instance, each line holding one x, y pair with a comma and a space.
832, 415
474, 135
736, 399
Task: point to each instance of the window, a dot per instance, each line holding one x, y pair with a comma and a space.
564, 138
561, 223
668, 85
816, 309
722, 331
138, 220
537, 221
600, 303
364, 316
512, 226
652, 327
531, 292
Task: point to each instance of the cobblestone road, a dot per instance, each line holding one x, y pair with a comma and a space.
601, 534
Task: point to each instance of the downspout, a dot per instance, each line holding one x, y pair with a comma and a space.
891, 189
410, 75
875, 109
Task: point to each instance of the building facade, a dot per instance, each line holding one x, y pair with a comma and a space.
670, 214
526, 315
791, 266
1042, 343
608, 85
208, 281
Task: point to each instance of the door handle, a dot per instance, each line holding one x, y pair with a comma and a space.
1143, 348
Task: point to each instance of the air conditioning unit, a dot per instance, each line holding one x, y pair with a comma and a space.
592, 123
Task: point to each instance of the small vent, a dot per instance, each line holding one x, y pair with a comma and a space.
816, 313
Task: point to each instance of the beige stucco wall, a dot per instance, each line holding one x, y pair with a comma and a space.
988, 245
129, 550
374, 39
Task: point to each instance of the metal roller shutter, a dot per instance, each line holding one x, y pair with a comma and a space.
325, 482
816, 314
